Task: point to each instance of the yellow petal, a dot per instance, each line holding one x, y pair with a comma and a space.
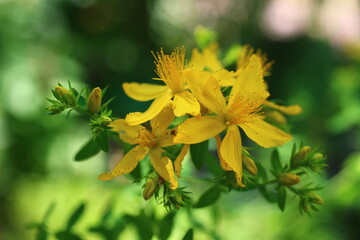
197, 60
225, 77
205, 87
127, 163
185, 102
199, 129
166, 138
231, 151
289, 110
264, 134
250, 82
163, 166
144, 91
210, 53
127, 133
161, 122
207, 59
223, 164
155, 108
179, 159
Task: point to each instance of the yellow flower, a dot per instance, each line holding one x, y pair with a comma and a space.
147, 142
170, 69
243, 110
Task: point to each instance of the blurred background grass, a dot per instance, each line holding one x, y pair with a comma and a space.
316, 49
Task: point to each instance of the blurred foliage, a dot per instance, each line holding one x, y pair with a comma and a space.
108, 42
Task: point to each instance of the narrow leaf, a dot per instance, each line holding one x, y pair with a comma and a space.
209, 197
269, 196
41, 234
189, 235
48, 212
275, 161
102, 141
281, 197
75, 216
198, 152
90, 149
166, 226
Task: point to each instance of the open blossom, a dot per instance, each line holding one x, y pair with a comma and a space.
229, 78
147, 142
243, 110
170, 69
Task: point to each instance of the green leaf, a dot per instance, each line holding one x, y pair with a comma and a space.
262, 172
75, 216
198, 152
48, 212
143, 225
269, 196
90, 149
209, 197
41, 234
189, 235
65, 235
213, 164
204, 36
293, 151
275, 161
166, 226
136, 173
102, 141
231, 55
281, 197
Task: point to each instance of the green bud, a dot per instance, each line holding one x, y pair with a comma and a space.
288, 179
315, 198
151, 185
64, 95
276, 116
318, 157
94, 101
104, 121
56, 109
300, 156
305, 206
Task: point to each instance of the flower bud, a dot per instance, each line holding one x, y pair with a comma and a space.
151, 185
318, 157
104, 121
288, 179
305, 206
250, 165
64, 95
276, 117
300, 156
94, 101
315, 198
55, 109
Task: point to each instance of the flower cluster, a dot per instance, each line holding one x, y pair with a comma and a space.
192, 102
196, 90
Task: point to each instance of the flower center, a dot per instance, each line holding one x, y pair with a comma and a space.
146, 138
243, 109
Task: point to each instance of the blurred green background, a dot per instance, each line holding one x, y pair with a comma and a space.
316, 49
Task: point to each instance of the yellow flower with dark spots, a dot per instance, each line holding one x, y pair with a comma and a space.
170, 69
243, 110
147, 142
